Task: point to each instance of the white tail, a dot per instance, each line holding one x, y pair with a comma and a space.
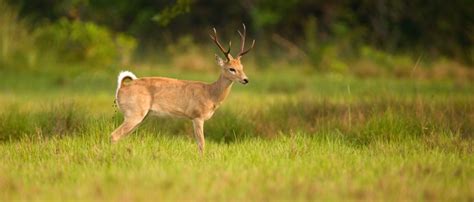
194, 100
121, 76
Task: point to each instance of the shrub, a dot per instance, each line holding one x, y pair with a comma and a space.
187, 55
16, 46
77, 41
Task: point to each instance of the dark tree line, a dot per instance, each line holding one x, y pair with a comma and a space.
433, 27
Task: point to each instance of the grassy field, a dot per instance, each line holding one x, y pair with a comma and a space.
288, 135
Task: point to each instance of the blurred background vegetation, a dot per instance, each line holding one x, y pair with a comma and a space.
402, 38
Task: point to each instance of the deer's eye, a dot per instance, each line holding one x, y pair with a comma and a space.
232, 70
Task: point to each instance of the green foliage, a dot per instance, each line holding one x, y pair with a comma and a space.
394, 63
391, 26
269, 13
16, 43
76, 41
187, 55
169, 13
315, 50
126, 46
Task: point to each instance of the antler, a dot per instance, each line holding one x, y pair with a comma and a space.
242, 44
216, 40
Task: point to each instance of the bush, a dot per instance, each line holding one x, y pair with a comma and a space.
77, 41
16, 46
187, 55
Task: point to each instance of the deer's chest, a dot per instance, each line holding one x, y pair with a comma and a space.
207, 114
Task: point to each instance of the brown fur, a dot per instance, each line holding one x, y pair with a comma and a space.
161, 96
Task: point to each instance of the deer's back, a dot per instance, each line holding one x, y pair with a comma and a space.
167, 96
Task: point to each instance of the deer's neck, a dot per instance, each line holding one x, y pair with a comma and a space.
220, 89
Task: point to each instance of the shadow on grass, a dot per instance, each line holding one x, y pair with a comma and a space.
54, 120
355, 123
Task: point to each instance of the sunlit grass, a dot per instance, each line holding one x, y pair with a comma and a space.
153, 166
284, 136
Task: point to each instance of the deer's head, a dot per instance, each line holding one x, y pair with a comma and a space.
232, 68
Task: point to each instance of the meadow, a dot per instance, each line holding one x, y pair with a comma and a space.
347, 100
288, 135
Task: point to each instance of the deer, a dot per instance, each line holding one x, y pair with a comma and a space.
168, 97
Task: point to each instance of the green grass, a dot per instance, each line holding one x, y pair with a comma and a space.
286, 136
149, 166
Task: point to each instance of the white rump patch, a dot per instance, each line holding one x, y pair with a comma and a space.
121, 76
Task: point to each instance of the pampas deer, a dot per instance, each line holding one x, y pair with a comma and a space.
162, 96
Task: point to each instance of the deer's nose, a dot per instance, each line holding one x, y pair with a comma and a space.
245, 81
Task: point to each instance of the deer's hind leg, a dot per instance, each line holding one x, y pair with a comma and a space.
128, 125
133, 116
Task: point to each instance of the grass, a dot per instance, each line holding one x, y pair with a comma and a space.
297, 167
286, 136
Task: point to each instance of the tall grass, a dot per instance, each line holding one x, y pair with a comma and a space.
359, 121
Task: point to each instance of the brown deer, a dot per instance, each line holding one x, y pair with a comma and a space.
197, 101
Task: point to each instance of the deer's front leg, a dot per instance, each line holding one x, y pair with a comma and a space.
198, 125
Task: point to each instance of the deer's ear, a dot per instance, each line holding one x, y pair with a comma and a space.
219, 61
